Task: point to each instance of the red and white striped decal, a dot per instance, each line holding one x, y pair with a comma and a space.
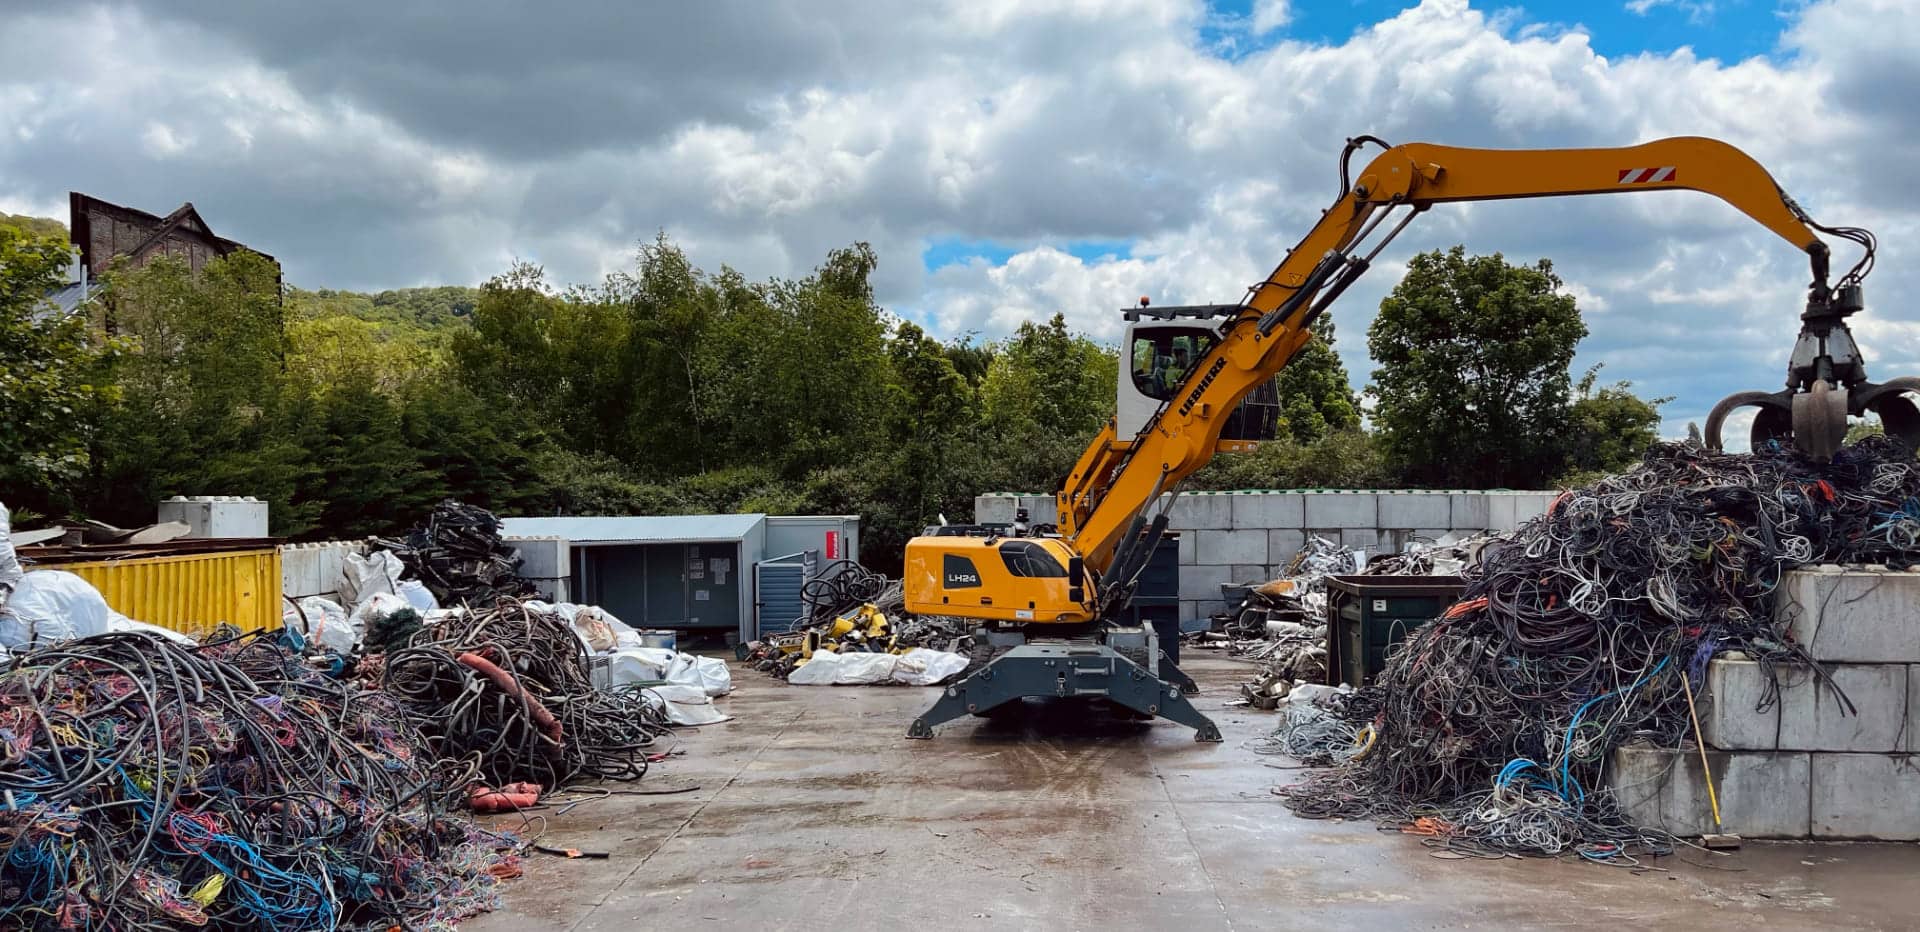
1645, 175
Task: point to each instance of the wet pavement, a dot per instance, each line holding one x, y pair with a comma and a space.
815, 812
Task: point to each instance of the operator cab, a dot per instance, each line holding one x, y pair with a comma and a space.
1162, 346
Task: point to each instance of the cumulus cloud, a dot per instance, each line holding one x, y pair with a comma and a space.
374, 145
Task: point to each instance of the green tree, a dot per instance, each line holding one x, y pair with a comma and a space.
931, 417
1342, 459
1045, 394
1316, 397
203, 408
1472, 385
35, 227
54, 375
794, 372
1609, 427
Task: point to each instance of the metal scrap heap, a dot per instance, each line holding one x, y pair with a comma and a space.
459, 555
145, 784
1282, 625
848, 608
1490, 727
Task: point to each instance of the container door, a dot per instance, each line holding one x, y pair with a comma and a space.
777, 601
713, 585
616, 581
666, 585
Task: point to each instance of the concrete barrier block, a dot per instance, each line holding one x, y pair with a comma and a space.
1763, 794
1502, 511
1041, 509
1407, 510
1185, 543
542, 557
1468, 510
552, 590
1198, 510
315, 568
1283, 544
994, 509
1812, 718
1913, 709
1342, 509
1265, 510
1735, 688
1212, 607
1874, 796
1804, 714
1855, 615
1249, 575
1230, 546
1201, 581
1530, 505
1371, 540
1395, 540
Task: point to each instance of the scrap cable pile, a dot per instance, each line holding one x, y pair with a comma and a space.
459, 555
512, 687
146, 784
1490, 727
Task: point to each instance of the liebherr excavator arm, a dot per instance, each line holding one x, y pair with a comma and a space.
1112, 508
1113, 482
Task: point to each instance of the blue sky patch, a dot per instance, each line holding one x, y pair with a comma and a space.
953, 250
1728, 30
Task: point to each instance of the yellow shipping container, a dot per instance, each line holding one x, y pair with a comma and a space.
189, 593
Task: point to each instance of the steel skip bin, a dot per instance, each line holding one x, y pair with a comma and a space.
190, 592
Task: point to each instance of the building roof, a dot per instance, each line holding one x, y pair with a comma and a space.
62, 300
649, 529
80, 227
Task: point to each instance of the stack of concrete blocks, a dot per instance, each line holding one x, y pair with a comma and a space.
1808, 766
315, 569
217, 516
1238, 538
547, 563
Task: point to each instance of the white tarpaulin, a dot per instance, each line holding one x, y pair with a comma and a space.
917, 667
364, 577
9, 563
323, 623
50, 606
688, 705
657, 664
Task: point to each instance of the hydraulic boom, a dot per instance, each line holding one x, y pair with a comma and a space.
1113, 506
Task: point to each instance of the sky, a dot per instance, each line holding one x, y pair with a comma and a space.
1007, 159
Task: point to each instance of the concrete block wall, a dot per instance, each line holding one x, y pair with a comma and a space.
1809, 765
314, 569
547, 562
1249, 536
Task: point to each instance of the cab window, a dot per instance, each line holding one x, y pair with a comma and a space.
1163, 357
1025, 558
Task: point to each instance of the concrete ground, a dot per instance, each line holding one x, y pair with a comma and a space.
814, 812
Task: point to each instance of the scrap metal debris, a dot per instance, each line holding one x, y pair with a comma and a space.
1282, 625
849, 609
146, 784
459, 555
1492, 725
